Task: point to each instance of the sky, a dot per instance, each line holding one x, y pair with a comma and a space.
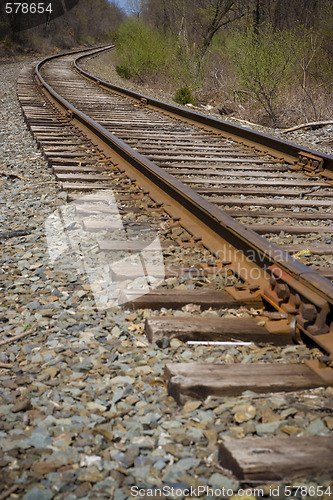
120, 3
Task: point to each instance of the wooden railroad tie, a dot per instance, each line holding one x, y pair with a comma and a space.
212, 329
174, 299
277, 458
199, 380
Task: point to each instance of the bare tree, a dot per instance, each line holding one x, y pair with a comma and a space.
196, 20
135, 7
211, 17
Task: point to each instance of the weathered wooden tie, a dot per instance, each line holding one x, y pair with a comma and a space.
174, 299
199, 380
212, 329
127, 271
277, 458
133, 245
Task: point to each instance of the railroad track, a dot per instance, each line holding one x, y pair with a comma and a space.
218, 197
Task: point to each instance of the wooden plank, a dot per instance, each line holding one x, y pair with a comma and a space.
133, 245
128, 271
319, 249
65, 154
268, 202
50, 128
68, 161
62, 148
82, 177
62, 160
294, 193
199, 380
256, 191
247, 182
63, 142
156, 134
158, 123
209, 159
78, 186
174, 299
237, 170
124, 272
93, 226
198, 149
280, 215
101, 196
212, 329
277, 458
166, 141
86, 209
56, 138
67, 169
91, 209
297, 229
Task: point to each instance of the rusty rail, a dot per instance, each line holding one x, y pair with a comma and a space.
279, 148
285, 283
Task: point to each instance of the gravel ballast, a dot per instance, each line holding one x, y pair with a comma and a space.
318, 138
84, 409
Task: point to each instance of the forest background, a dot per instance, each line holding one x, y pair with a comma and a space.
267, 61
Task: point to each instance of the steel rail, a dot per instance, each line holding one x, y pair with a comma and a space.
275, 146
292, 287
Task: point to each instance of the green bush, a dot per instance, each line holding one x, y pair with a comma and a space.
142, 49
184, 96
264, 61
124, 72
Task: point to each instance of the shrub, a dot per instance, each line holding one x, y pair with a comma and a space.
184, 96
124, 72
142, 49
264, 61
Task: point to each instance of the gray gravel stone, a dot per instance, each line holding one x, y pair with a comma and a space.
39, 493
95, 385
219, 481
269, 427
